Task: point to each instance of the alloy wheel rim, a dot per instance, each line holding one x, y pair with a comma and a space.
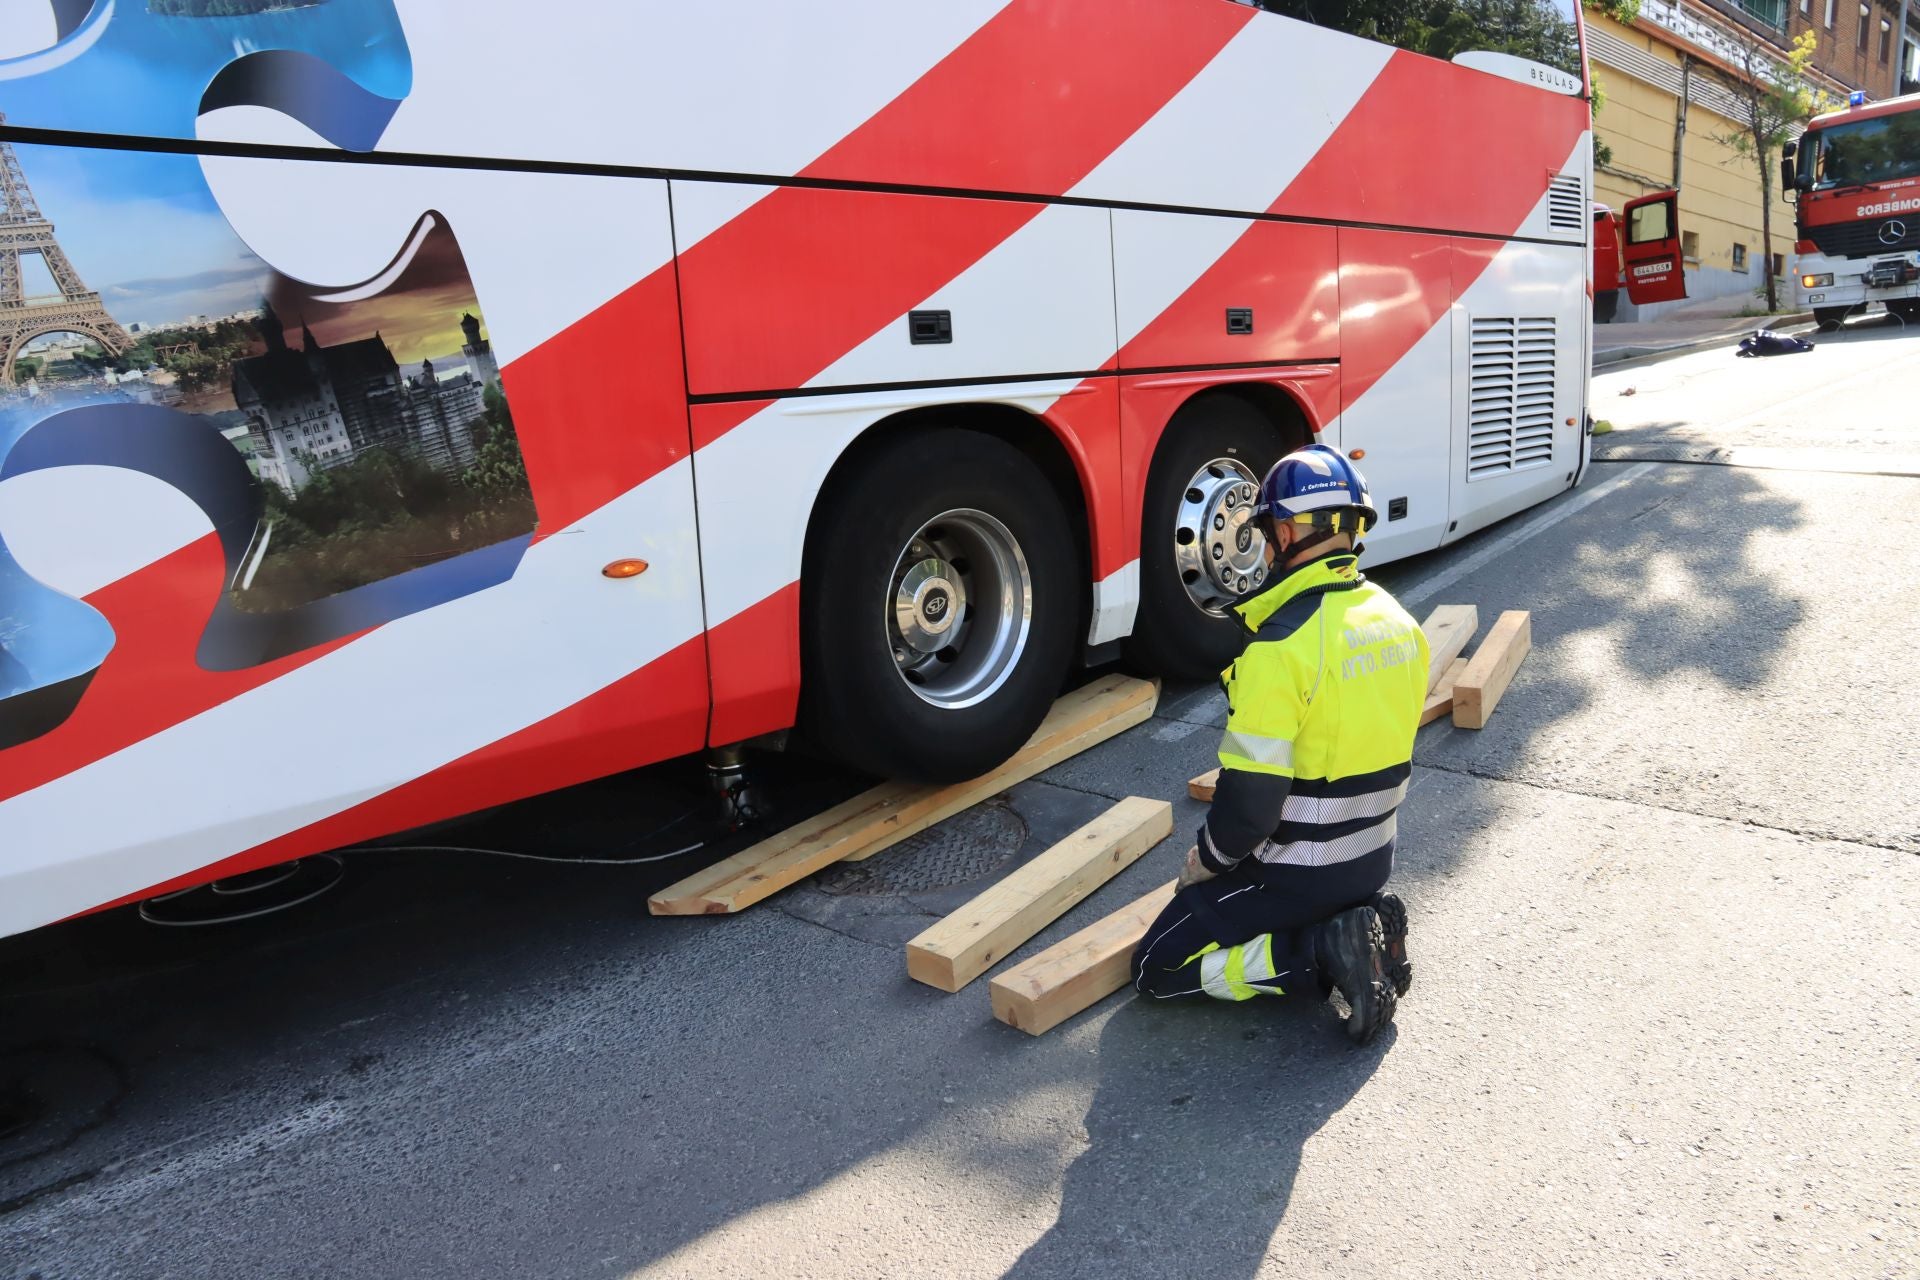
1218, 550
959, 609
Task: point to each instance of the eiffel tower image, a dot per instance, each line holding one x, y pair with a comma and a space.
75, 309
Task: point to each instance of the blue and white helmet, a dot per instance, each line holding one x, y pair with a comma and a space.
1318, 485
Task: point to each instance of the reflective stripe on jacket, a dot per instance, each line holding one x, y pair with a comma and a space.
1322, 706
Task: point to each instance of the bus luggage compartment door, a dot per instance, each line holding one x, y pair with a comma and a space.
1520, 377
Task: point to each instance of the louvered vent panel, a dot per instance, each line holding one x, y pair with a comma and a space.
1566, 203
1510, 401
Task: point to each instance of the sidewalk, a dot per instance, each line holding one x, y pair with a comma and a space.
1709, 322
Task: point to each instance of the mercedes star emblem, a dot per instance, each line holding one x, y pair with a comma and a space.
1893, 232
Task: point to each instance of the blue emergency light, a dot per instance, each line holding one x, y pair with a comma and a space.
1858, 98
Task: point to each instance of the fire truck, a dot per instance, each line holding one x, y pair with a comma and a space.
1856, 178
411, 406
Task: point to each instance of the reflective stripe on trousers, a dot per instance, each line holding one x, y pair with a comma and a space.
1325, 853
1242, 972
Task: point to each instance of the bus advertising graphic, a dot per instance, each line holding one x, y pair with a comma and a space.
363, 437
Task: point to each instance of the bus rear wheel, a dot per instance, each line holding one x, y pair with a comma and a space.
939, 601
1200, 552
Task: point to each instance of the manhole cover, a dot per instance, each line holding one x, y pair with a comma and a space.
966, 847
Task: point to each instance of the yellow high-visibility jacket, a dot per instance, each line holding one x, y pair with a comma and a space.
1322, 706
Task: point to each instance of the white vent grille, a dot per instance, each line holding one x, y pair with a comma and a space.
1510, 405
1566, 203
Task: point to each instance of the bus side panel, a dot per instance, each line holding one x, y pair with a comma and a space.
335, 580
1271, 294
1396, 378
1517, 431
812, 288
1415, 152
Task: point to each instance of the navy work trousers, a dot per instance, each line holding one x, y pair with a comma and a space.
1250, 931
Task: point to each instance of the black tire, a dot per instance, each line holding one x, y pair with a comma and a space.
1172, 635
1606, 305
1830, 318
1908, 309
855, 702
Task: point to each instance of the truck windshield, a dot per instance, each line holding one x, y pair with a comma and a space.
1877, 150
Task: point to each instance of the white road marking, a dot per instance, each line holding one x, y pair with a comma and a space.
1506, 542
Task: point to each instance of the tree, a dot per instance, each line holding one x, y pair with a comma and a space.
1777, 97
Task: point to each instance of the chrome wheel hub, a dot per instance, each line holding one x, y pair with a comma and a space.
1217, 548
960, 608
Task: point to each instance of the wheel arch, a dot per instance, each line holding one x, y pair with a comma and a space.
1281, 407
1065, 468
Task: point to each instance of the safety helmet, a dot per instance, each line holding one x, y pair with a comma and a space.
1320, 486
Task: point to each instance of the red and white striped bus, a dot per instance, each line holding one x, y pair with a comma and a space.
407, 406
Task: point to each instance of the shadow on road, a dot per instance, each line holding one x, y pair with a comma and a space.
477, 1023
1165, 1187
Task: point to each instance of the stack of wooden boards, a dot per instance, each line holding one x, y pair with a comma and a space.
1048, 988
880, 818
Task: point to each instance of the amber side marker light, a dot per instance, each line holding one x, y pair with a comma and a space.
625, 569
1357, 454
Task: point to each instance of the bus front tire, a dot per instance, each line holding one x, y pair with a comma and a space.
939, 601
1215, 451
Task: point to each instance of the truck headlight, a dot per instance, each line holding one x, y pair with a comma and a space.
1817, 282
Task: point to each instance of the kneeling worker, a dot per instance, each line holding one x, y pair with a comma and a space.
1281, 893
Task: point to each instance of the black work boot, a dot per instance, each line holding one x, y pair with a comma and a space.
1393, 924
1350, 950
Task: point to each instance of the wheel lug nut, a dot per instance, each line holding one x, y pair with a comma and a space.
1218, 551
1243, 584
1233, 498
1219, 522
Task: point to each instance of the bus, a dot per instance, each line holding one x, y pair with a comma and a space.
1855, 175
410, 406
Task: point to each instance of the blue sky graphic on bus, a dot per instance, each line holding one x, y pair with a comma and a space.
152, 67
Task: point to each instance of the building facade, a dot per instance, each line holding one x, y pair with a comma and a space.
1669, 120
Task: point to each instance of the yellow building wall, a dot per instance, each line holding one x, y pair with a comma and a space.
1719, 187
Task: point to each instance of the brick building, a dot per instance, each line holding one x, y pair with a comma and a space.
1681, 51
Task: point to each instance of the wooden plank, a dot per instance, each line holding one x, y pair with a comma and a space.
1440, 701
1479, 687
1040, 993
1448, 629
979, 935
890, 813
1201, 788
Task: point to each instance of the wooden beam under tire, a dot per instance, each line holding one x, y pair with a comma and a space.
979, 935
1040, 993
1479, 687
1448, 629
888, 814
1201, 788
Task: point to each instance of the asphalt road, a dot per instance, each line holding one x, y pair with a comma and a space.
1664, 1023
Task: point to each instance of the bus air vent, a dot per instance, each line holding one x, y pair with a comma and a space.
1566, 205
1510, 396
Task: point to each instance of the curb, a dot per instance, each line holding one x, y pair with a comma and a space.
1620, 355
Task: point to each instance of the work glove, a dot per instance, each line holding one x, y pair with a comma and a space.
1193, 873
